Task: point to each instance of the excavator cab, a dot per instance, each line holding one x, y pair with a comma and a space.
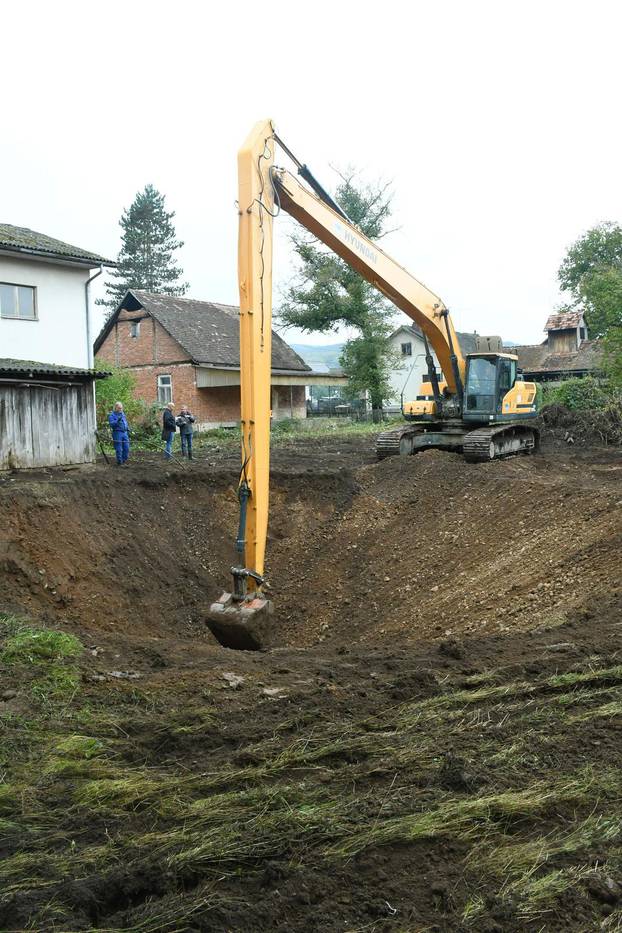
494, 391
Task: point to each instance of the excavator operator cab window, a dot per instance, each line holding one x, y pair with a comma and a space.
507, 375
481, 384
507, 378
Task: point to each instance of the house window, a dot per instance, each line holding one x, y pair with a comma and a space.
407, 349
582, 333
165, 390
135, 329
18, 301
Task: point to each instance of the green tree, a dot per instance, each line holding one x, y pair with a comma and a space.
327, 293
601, 291
599, 247
146, 259
591, 273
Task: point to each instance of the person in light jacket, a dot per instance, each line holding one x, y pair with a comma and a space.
120, 433
168, 430
184, 422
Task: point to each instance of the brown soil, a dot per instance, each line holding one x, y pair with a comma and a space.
394, 584
358, 552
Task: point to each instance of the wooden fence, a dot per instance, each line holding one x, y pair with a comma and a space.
46, 425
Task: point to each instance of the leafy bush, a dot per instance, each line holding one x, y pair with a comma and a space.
119, 387
576, 394
144, 420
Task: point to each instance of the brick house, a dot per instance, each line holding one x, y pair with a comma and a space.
188, 352
565, 352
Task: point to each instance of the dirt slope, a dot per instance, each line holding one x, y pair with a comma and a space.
410, 548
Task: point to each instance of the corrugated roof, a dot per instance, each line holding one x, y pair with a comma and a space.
563, 321
33, 368
539, 359
21, 239
209, 332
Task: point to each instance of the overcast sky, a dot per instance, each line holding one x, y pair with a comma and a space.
498, 124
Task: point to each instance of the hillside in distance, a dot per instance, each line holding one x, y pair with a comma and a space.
327, 353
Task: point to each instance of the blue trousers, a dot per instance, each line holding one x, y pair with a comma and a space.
186, 443
168, 446
121, 446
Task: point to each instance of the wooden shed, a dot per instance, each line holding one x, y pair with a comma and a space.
47, 415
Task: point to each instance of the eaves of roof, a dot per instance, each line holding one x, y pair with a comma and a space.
31, 369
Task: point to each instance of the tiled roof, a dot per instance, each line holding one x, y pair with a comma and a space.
23, 240
563, 321
31, 368
209, 332
539, 359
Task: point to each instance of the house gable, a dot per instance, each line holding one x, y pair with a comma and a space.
136, 338
209, 333
565, 331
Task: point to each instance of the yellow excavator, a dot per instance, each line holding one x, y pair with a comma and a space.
480, 405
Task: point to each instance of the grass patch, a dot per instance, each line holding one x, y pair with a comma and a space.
27, 645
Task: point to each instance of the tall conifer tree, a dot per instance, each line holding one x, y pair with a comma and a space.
146, 259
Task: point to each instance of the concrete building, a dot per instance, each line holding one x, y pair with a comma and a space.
407, 341
188, 352
565, 352
47, 408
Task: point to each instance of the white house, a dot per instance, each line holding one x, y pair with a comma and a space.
407, 341
47, 409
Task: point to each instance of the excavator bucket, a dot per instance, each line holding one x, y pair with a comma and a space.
241, 624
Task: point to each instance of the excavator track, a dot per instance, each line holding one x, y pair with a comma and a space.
498, 441
396, 442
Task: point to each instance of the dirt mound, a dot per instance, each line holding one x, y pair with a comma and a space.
601, 426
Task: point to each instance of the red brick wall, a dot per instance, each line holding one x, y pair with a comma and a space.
153, 344
153, 353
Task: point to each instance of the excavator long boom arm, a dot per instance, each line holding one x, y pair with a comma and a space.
377, 268
240, 618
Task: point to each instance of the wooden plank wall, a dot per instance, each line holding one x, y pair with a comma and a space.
46, 425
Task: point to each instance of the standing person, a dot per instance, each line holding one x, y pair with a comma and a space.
184, 421
168, 430
120, 433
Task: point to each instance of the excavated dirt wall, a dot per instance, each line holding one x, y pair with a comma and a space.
435, 745
358, 551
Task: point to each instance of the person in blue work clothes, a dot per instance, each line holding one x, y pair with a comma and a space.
120, 433
169, 427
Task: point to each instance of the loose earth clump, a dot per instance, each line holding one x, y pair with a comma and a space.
435, 744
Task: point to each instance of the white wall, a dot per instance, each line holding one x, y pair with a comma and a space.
409, 377
59, 333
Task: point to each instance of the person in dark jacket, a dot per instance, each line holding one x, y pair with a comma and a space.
168, 430
184, 422
120, 433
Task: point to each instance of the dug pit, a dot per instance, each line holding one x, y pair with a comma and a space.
358, 551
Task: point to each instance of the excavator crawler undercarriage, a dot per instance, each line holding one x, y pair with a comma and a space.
489, 442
